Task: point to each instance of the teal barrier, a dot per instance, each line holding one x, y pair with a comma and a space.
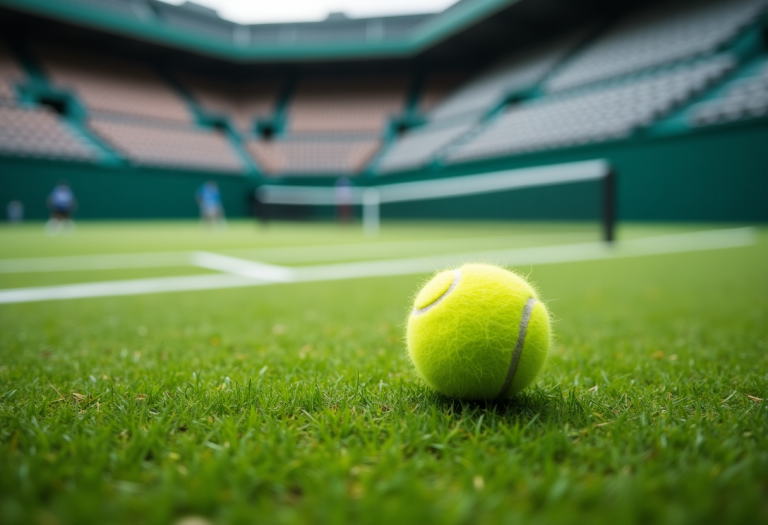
716, 174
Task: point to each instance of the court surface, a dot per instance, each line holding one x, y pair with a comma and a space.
155, 371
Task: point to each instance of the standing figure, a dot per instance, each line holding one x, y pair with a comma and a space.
344, 198
62, 204
209, 200
15, 210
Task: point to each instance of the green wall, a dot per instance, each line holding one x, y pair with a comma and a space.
719, 174
116, 192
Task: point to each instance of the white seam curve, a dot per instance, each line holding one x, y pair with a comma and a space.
456, 277
527, 311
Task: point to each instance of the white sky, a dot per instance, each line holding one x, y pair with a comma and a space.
265, 11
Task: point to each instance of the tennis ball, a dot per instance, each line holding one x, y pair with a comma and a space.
478, 332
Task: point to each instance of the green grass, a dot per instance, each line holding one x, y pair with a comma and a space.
296, 403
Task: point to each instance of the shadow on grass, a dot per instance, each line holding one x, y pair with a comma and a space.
544, 405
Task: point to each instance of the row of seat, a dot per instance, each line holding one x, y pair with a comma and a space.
514, 72
39, 132
139, 115
169, 146
113, 86
323, 105
336, 125
36, 132
661, 34
604, 113
314, 155
745, 98
243, 102
422, 146
644, 40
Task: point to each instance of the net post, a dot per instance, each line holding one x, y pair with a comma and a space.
609, 206
371, 200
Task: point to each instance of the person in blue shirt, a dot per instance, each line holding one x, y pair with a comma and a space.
62, 204
209, 200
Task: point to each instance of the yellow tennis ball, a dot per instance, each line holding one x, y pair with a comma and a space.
478, 332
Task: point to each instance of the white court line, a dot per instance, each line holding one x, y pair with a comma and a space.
242, 267
336, 252
588, 251
112, 261
285, 254
127, 287
254, 274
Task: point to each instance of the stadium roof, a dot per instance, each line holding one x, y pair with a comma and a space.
199, 30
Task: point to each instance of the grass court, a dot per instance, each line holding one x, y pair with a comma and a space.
296, 403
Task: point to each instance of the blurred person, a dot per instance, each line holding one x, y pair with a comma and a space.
209, 200
15, 210
62, 204
344, 197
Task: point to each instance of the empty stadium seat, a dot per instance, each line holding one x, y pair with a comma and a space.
419, 147
437, 88
38, 132
658, 35
518, 71
241, 102
610, 111
314, 156
114, 86
346, 105
149, 144
745, 98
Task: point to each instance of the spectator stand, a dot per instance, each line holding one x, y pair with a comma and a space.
330, 126
468, 109
222, 117
412, 117
631, 38
738, 98
36, 121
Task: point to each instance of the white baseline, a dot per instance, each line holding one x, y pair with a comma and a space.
241, 273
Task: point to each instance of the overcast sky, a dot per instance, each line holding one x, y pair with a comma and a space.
263, 11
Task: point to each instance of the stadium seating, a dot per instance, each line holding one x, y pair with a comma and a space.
460, 112
437, 88
607, 112
515, 72
114, 86
346, 105
10, 73
150, 144
314, 155
334, 126
39, 132
744, 99
241, 102
418, 148
566, 91
664, 33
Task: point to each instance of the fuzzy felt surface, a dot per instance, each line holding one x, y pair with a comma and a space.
462, 345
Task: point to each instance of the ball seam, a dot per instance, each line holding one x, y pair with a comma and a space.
454, 283
527, 311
